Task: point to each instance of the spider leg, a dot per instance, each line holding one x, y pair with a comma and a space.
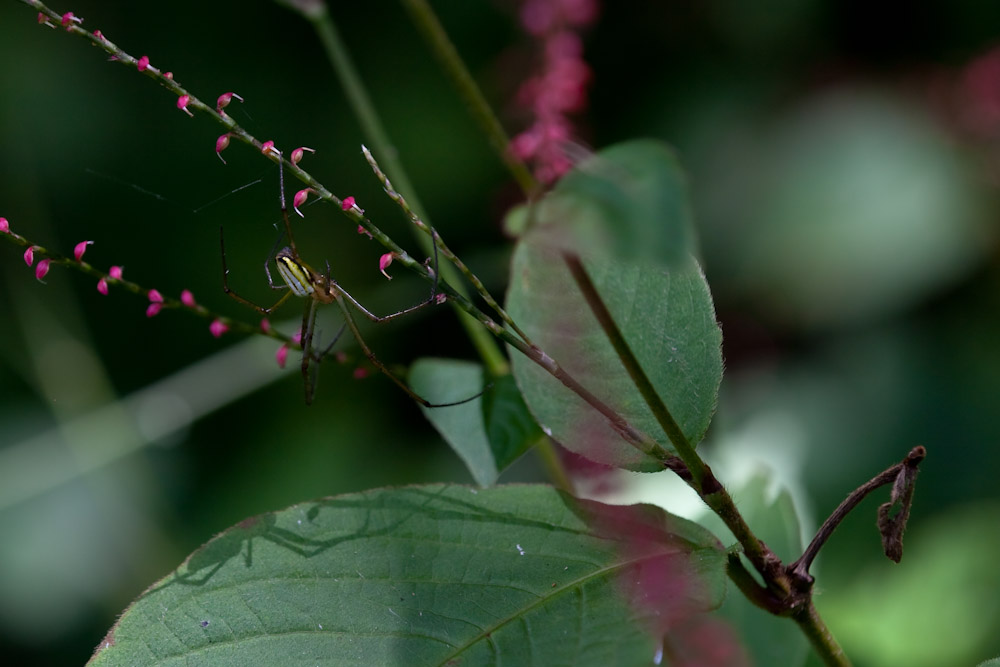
237, 297
284, 206
341, 292
306, 337
374, 361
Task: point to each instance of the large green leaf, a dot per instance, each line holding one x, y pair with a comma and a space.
666, 316
435, 575
629, 201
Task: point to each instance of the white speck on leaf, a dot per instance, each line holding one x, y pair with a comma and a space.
519, 549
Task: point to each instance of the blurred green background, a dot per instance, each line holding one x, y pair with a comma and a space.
844, 165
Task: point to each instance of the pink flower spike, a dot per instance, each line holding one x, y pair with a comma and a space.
347, 204
281, 356
143, 63
300, 198
362, 230
153, 309
42, 268
298, 153
4, 226
218, 327
115, 273
224, 100
81, 248
155, 296
265, 325
187, 298
29, 255
102, 286
182, 104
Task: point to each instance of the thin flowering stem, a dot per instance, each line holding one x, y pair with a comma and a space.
44, 259
444, 249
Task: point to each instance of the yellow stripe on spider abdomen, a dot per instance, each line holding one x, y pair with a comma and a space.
298, 276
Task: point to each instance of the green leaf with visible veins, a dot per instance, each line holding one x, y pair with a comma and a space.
668, 320
433, 575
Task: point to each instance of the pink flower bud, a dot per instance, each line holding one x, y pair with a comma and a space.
340, 356
100, 35
281, 356
300, 198
218, 327
187, 298
102, 286
298, 153
168, 75
224, 100
155, 296
115, 273
4, 226
265, 325
81, 248
29, 255
153, 309
42, 268
362, 230
347, 204
143, 63
297, 338
68, 18
221, 144
360, 373
182, 104
383, 263
268, 147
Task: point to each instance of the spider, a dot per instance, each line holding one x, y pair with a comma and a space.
302, 280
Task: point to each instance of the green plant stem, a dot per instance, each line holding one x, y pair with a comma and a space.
780, 593
372, 126
547, 454
427, 22
823, 642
